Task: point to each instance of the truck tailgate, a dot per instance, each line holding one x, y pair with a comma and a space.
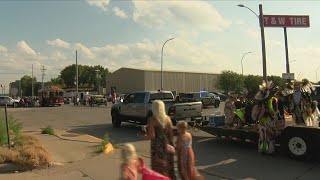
188, 110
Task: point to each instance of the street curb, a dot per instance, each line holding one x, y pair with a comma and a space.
80, 137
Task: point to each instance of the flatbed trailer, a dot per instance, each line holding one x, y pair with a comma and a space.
299, 142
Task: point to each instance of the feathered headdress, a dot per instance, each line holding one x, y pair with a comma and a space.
264, 90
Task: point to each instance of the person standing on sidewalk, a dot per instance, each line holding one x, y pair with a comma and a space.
160, 132
114, 96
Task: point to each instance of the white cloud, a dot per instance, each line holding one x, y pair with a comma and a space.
83, 49
25, 48
196, 14
179, 54
102, 4
57, 56
253, 33
58, 43
119, 12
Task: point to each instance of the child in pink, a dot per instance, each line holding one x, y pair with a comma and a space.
131, 164
186, 164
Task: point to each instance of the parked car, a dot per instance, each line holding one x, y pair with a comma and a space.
215, 100
98, 100
196, 96
223, 97
136, 108
8, 100
67, 100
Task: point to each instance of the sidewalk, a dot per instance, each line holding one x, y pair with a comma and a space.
75, 157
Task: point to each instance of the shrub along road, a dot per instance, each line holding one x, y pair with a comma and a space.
216, 159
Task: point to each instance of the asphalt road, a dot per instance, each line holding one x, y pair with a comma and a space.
216, 159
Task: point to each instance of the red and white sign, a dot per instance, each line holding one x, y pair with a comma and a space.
286, 21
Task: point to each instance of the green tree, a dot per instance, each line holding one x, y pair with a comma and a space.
58, 81
277, 81
252, 83
231, 82
87, 75
68, 74
26, 85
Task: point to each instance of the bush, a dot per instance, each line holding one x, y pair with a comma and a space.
30, 155
48, 130
26, 150
7, 155
105, 140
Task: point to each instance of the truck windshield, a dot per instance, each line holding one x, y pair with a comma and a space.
160, 96
186, 95
204, 94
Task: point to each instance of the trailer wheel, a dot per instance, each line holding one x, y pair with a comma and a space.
298, 147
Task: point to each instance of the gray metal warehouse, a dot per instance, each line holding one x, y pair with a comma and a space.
127, 80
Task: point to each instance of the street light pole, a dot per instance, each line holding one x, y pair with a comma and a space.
242, 60
161, 85
77, 76
263, 44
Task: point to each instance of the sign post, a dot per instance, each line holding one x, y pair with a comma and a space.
284, 21
7, 125
286, 48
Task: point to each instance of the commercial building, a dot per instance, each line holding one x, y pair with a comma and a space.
127, 80
15, 88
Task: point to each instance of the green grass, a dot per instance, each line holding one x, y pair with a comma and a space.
14, 131
48, 130
105, 140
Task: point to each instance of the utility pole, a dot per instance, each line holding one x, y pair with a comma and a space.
32, 83
20, 88
77, 75
43, 69
98, 80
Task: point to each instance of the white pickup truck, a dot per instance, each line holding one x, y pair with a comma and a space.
136, 108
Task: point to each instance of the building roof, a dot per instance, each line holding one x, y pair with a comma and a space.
156, 70
53, 88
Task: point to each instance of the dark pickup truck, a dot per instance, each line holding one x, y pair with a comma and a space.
136, 108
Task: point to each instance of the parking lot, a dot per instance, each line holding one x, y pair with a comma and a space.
214, 158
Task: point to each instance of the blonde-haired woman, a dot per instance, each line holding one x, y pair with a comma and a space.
160, 132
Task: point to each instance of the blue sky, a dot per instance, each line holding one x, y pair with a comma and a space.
209, 36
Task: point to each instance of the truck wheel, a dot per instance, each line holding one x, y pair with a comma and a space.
298, 147
116, 121
216, 104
